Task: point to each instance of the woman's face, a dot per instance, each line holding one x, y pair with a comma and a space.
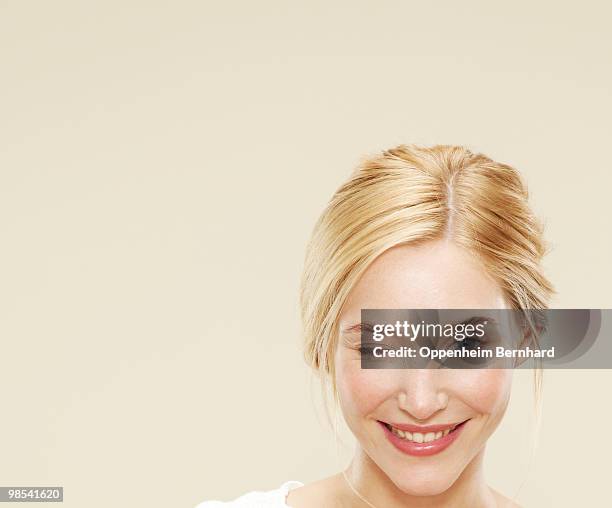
436, 274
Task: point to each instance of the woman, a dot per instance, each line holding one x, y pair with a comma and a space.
414, 228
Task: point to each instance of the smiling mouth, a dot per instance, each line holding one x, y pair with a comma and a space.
422, 437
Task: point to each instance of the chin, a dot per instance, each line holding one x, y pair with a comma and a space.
423, 483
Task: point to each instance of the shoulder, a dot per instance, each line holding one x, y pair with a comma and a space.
274, 498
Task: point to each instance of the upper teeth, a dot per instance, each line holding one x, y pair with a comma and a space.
419, 437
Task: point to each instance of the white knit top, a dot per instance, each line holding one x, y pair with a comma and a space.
257, 499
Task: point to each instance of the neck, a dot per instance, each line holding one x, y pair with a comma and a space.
470, 488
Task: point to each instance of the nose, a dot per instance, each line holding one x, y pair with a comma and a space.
420, 393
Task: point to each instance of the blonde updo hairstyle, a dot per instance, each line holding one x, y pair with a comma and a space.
410, 194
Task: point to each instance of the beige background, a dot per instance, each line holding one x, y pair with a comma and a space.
161, 167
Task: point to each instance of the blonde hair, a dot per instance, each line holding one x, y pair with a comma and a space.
411, 194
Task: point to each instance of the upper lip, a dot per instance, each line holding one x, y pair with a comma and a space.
424, 428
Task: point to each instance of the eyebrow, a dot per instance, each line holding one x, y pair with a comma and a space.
477, 319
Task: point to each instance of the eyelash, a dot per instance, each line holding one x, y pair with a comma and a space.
461, 343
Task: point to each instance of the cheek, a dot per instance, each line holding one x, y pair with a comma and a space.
361, 391
486, 391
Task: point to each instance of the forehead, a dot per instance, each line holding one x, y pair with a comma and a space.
430, 275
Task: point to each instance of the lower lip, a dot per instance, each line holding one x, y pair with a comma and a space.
423, 449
